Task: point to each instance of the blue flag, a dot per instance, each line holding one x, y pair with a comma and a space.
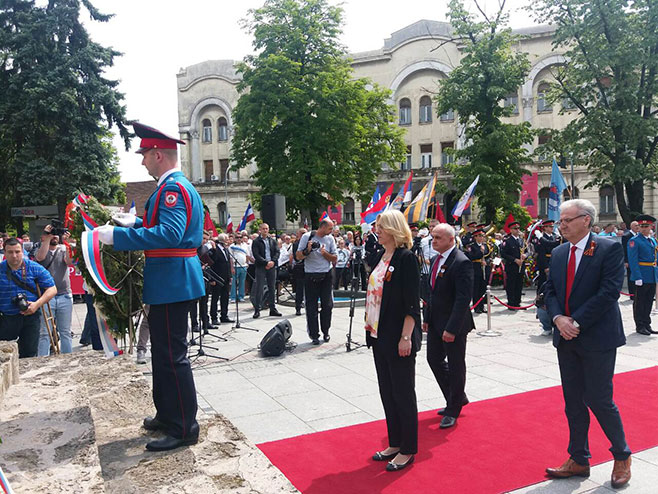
555, 192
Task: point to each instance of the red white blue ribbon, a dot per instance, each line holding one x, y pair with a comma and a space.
91, 252
110, 346
4, 484
80, 199
89, 223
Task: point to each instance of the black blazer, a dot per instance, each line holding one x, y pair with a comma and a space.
222, 262
400, 298
593, 301
258, 251
449, 307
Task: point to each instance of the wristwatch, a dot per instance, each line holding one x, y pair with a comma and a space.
405, 337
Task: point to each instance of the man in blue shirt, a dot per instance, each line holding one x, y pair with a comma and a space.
642, 250
16, 323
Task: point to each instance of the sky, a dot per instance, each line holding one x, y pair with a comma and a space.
159, 37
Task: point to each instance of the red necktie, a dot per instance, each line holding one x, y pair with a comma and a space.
435, 270
571, 274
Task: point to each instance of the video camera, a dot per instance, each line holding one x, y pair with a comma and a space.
57, 228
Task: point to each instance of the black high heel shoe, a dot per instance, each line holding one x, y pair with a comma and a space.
394, 467
379, 456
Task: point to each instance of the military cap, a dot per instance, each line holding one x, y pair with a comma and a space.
479, 231
153, 138
472, 223
513, 224
547, 223
645, 219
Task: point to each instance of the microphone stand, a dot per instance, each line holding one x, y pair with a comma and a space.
356, 263
237, 303
200, 352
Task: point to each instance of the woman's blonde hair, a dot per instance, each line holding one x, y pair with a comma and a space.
394, 223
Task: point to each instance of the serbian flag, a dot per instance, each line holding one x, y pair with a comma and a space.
375, 197
91, 251
248, 216
508, 222
80, 199
324, 215
133, 209
229, 224
465, 200
370, 215
208, 225
404, 192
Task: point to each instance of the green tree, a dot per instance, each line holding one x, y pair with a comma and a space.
56, 106
610, 76
316, 134
489, 72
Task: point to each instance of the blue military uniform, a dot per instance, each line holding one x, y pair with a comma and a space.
169, 234
478, 256
642, 251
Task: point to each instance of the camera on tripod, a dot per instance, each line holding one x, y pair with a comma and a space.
57, 228
21, 302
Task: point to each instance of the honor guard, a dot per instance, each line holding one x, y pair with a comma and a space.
467, 238
514, 259
169, 234
477, 252
642, 250
545, 245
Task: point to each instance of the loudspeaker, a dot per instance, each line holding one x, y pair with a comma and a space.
273, 211
273, 343
286, 329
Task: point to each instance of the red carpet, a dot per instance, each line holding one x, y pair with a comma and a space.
498, 445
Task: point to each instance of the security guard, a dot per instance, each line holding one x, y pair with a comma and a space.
642, 250
477, 252
467, 238
514, 259
545, 245
169, 234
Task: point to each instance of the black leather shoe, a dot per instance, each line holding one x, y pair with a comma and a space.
215, 322
643, 331
153, 424
168, 442
315, 341
209, 326
226, 319
326, 338
394, 467
447, 421
256, 314
651, 330
275, 313
379, 456
195, 329
442, 411
298, 312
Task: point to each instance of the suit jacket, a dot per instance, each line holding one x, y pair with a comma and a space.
400, 297
258, 251
449, 307
222, 262
594, 293
545, 247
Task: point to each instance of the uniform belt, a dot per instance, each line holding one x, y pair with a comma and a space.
547, 255
647, 263
477, 260
170, 253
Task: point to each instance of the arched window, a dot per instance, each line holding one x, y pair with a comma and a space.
566, 195
222, 129
512, 101
207, 131
542, 102
405, 111
348, 212
607, 200
543, 202
221, 212
425, 109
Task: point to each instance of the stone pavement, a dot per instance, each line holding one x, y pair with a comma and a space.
314, 388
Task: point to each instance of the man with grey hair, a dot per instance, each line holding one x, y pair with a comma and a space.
584, 279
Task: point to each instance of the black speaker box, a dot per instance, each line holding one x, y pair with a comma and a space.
286, 329
273, 211
273, 343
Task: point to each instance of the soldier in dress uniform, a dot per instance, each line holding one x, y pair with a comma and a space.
642, 250
477, 252
514, 259
545, 245
467, 238
169, 234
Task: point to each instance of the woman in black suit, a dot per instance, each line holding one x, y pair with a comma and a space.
393, 331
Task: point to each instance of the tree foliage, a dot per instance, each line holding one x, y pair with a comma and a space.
489, 71
56, 107
610, 76
316, 134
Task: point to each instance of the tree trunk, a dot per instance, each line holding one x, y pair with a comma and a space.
624, 211
635, 194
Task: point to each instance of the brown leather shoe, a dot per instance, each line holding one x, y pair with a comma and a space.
621, 472
568, 469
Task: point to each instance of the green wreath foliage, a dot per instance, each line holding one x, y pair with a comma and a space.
117, 308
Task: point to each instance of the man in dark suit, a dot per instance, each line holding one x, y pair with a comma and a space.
585, 276
448, 320
477, 251
266, 254
544, 247
223, 268
514, 258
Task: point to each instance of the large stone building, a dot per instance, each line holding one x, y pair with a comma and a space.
410, 64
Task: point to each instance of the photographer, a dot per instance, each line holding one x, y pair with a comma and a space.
223, 268
55, 257
19, 302
318, 250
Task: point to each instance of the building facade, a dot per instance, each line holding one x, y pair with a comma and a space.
410, 64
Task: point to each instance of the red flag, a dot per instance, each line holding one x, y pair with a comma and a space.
209, 225
508, 221
439, 213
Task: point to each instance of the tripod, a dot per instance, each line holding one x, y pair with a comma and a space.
355, 271
200, 352
237, 303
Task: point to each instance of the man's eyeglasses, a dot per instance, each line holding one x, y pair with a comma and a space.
566, 221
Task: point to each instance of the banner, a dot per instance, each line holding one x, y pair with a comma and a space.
529, 194
555, 192
336, 213
417, 210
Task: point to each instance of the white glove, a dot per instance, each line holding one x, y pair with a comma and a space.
106, 234
638, 282
124, 219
